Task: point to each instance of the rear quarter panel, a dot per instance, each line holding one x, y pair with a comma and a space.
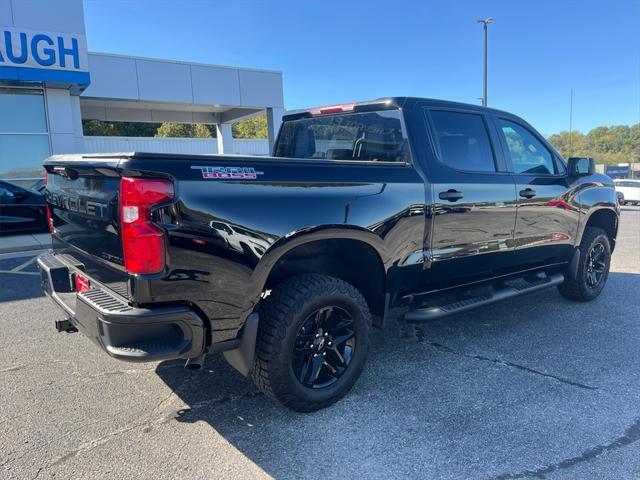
229, 233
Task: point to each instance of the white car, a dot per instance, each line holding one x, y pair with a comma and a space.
630, 189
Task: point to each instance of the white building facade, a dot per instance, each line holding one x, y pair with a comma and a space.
49, 83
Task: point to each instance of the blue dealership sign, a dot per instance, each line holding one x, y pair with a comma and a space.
28, 55
616, 171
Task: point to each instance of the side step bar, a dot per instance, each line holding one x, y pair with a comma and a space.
518, 287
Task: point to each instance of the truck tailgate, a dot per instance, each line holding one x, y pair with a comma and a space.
83, 201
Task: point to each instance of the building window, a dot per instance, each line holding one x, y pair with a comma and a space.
24, 137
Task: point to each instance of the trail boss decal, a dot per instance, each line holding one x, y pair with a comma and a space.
229, 173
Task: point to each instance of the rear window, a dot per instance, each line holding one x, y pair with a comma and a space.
370, 136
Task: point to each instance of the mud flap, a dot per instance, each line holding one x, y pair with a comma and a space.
573, 265
241, 358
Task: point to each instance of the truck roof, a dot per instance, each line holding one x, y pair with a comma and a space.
389, 103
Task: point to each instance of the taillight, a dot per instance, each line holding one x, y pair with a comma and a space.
48, 216
143, 243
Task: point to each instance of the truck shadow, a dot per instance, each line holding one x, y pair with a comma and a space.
435, 395
19, 278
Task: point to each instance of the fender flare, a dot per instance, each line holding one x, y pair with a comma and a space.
295, 239
242, 357
584, 220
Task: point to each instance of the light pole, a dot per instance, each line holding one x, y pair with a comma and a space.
485, 23
571, 124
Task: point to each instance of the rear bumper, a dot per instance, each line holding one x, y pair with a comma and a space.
123, 331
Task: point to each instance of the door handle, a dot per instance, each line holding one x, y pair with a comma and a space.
528, 193
451, 195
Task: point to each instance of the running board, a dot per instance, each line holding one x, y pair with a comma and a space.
513, 289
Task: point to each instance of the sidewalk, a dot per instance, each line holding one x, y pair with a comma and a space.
24, 242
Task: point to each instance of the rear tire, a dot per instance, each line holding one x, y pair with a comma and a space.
313, 341
593, 267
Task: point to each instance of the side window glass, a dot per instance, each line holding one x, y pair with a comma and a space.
464, 141
528, 154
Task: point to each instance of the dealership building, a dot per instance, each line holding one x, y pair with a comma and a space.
50, 83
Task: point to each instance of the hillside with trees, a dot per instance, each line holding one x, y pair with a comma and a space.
609, 145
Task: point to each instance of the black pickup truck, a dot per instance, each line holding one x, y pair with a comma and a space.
285, 262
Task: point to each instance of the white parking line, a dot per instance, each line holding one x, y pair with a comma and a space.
30, 253
19, 273
33, 256
23, 265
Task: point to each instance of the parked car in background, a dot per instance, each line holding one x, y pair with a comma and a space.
630, 190
21, 209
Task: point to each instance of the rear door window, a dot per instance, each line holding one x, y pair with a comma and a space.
463, 141
367, 136
528, 154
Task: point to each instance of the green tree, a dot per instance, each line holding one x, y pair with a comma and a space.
254, 127
183, 130
201, 130
92, 128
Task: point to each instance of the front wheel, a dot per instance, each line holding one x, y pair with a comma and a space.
313, 340
593, 267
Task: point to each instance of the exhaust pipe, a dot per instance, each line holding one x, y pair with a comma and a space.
194, 363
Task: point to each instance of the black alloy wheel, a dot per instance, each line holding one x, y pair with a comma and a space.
595, 265
589, 276
324, 347
313, 340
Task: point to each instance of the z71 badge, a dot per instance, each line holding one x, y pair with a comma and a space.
229, 173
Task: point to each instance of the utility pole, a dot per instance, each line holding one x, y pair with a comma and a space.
485, 23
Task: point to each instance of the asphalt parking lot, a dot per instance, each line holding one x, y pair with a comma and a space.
536, 387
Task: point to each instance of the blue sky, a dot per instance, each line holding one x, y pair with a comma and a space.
333, 51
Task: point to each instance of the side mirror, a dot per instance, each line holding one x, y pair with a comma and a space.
581, 166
